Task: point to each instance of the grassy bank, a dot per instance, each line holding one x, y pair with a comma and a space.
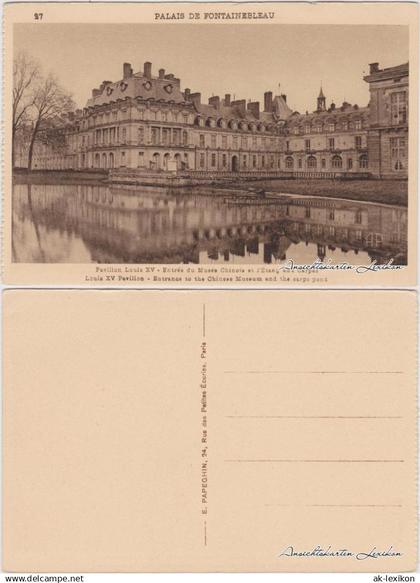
382, 191
59, 177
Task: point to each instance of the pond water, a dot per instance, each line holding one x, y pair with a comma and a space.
100, 224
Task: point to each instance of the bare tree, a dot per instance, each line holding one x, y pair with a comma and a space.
26, 75
50, 102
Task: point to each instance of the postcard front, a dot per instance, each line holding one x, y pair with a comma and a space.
211, 145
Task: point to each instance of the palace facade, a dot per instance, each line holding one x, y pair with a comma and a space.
146, 123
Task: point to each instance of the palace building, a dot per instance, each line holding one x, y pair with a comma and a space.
146, 123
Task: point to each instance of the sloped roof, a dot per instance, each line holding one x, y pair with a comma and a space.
160, 89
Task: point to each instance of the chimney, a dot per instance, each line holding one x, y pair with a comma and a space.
240, 104
127, 71
268, 101
196, 98
332, 106
373, 68
170, 76
147, 71
284, 97
214, 101
187, 94
227, 99
161, 73
254, 108
103, 85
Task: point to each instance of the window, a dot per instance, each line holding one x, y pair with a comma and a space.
349, 163
224, 160
202, 140
398, 108
272, 161
176, 136
307, 144
185, 117
140, 161
254, 141
398, 153
323, 163
124, 135
263, 161
287, 146
345, 125
185, 138
165, 136
201, 160
244, 142
398, 148
122, 159
337, 162
235, 142
331, 127
164, 116
307, 129
254, 161
213, 160
244, 161
213, 140
289, 162
358, 124
296, 130
224, 141
311, 162
358, 141
331, 143
363, 161
155, 135
299, 163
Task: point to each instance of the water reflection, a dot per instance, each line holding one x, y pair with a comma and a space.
98, 224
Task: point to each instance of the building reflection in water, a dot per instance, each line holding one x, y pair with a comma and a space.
98, 224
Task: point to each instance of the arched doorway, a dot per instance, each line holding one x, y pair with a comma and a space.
178, 161
104, 160
311, 162
156, 161
235, 164
165, 161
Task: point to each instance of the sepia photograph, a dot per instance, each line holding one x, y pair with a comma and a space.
210, 144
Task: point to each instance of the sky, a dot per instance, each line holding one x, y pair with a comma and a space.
241, 59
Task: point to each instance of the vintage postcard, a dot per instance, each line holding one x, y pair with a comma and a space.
224, 144
151, 430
